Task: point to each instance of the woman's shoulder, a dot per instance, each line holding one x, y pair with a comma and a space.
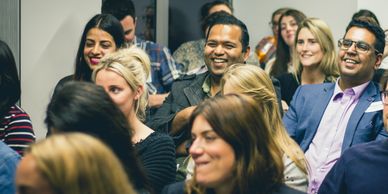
155, 143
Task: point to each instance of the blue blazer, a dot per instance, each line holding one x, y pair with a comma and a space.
309, 103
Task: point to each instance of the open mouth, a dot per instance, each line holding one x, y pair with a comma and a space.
94, 61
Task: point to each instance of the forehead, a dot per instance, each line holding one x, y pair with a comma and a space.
287, 19
127, 22
360, 34
220, 32
200, 125
109, 76
305, 33
98, 33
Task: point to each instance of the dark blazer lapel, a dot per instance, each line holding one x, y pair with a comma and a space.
194, 92
317, 111
366, 98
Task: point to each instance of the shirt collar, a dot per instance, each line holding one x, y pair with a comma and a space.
354, 91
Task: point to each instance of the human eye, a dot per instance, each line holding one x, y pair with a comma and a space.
230, 46
114, 90
89, 43
293, 24
211, 44
283, 27
347, 43
300, 42
106, 45
362, 46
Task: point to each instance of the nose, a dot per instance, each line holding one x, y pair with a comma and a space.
196, 149
96, 50
352, 48
219, 50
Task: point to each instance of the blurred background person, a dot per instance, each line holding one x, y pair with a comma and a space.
266, 48
288, 24
15, 124
71, 163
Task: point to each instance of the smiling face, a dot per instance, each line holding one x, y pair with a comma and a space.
119, 90
29, 179
98, 44
308, 49
288, 27
214, 158
223, 48
356, 66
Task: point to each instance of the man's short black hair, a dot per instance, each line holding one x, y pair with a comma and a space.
119, 8
224, 18
374, 29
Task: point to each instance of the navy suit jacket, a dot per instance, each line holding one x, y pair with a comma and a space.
309, 103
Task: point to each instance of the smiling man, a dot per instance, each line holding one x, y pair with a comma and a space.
328, 118
226, 43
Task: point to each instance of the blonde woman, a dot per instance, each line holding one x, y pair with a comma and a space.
123, 75
72, 163
314, 58
254, 82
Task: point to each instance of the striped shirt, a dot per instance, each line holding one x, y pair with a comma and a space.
16, 129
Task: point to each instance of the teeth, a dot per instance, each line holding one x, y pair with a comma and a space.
219, 60
350, 61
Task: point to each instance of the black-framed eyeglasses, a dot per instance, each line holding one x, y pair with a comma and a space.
361, 46
384, 97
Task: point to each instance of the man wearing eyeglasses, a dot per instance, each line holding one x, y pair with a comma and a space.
328, 118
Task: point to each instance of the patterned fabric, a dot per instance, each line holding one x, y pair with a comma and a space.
16, 129
265, 50
163, 67
189, 55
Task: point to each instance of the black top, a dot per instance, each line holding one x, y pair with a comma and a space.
288, 85
178, 188
157, 154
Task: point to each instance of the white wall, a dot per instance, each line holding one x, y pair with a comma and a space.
256, 14
50, 33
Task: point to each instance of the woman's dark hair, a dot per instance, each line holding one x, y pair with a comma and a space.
86, 107
107, 23
9, 80
283, 55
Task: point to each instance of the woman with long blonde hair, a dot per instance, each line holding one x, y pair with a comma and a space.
254, 82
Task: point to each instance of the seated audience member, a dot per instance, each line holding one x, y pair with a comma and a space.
15, 124
163, 68
9, 160
87, 108
253, 81
288, 24
190, 54
326, 119
365, 13
123, 75
360, 169
103, 34
72, 163
266, 48
314, 58
232, 150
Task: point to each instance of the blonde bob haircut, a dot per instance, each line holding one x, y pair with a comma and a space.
76, 163
254, 82
134, 65
324, 37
